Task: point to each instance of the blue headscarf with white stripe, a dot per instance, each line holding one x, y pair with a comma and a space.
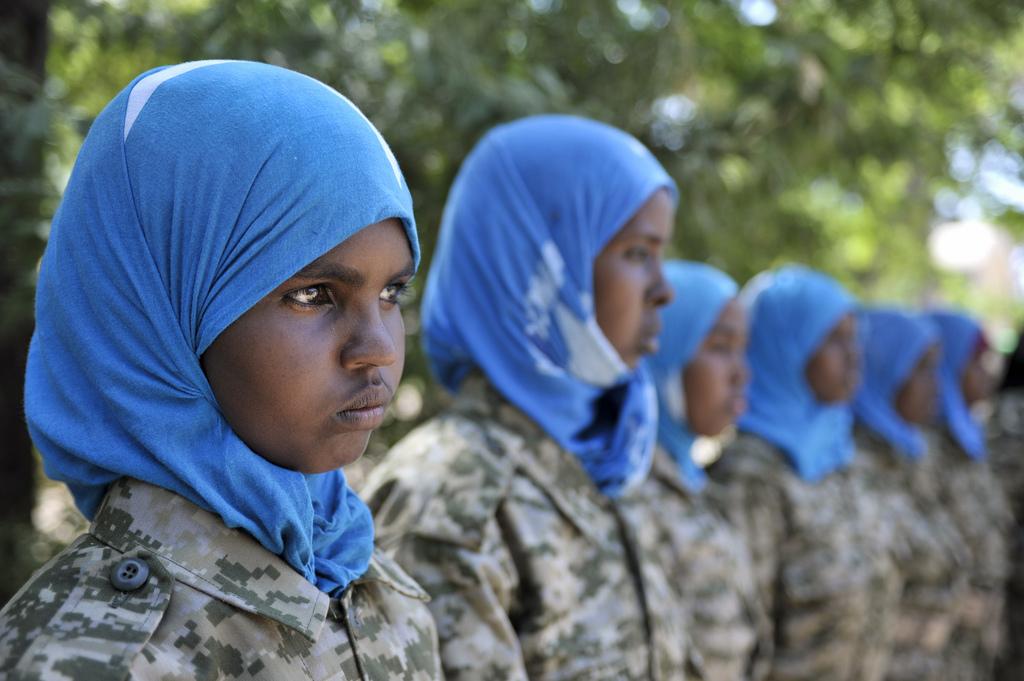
510, 290
793, 309
894, 343
701, 292
198, 190
960, 337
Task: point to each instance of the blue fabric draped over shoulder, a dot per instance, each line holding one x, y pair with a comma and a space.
701, 292
960, 336
792, 310
198, 190
510, 289
895, 341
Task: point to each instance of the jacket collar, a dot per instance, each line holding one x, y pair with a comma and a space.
556, 471
227, 564
665, 470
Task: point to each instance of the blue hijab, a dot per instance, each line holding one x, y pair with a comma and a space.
198, 190
960, 336
510, 290
701, 292
793, 309
894, 343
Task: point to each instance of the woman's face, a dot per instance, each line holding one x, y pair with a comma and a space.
305, 375
715, 379
917, 398
977, 382
628, 283
833, 371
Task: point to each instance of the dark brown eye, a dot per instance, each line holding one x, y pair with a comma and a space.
311, 296
638, 253
395, 294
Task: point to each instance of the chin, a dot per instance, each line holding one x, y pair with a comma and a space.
343, 454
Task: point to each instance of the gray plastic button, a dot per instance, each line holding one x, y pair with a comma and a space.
129, 574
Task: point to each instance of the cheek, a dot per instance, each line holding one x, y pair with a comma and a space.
916, 401
620, 281
923, 398
395, 324
827, 374
706, 384
288, 377
618, 300
838, 368
266, 380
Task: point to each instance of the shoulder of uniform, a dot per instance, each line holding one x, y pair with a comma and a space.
443, 481
384, 570
751, 471
87, 613
749, 456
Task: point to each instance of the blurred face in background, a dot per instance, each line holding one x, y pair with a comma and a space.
715, 379
628, 283
833, 371
917, 398
977, 381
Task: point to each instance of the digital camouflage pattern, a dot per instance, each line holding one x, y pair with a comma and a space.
217, 605
826, 581
927, 549
533, 573
969, 491
1006, 452
711, 572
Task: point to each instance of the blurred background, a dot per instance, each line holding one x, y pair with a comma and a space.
881, 141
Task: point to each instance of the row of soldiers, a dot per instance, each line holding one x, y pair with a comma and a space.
853, 528
219, 331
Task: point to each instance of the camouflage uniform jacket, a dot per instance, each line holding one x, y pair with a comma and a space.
976, 501
829, 587
928, 551
711, 571
533, 573
216, 605
1006, 452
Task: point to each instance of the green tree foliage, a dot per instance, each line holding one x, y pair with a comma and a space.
822, 136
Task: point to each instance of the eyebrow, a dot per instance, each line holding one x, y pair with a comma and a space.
641, 236
346, 275
646, 230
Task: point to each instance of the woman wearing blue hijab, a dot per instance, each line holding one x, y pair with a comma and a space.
899, 394
217, 333
827, 585
700, 371
541, 300
971, 494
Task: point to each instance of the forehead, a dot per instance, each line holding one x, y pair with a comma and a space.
846, 325
378, 250
732, 318
654, 220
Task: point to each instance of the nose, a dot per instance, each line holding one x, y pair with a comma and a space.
374, 340
659, 293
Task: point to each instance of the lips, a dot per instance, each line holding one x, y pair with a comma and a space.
738, 405
365, 410
649, 336
653, 328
